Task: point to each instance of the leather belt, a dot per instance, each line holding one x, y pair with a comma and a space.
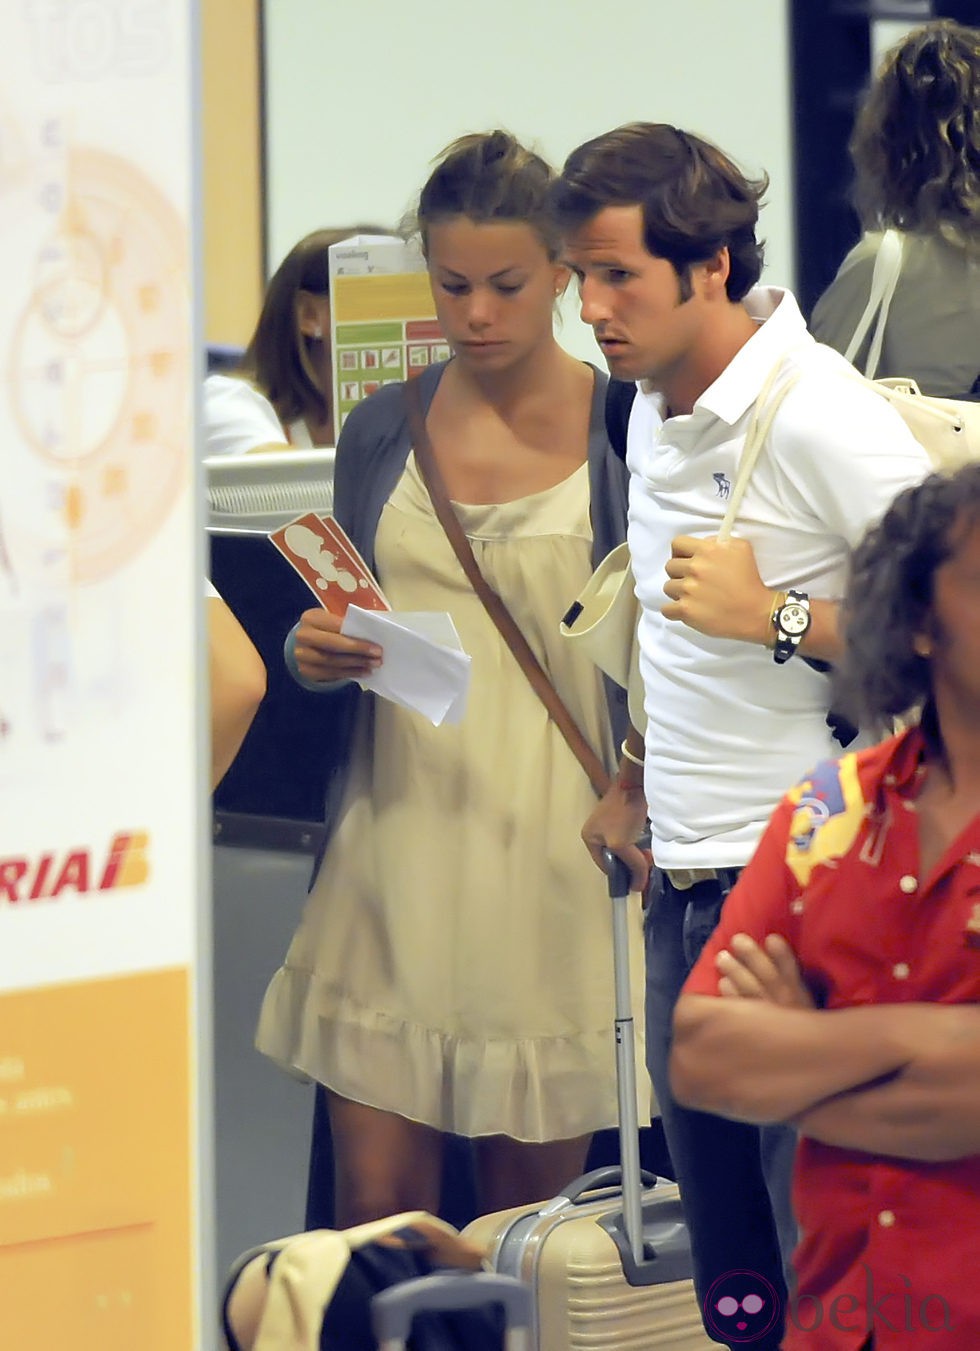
682, 879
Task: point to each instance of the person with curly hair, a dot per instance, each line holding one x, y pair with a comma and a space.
840, 991
916, 154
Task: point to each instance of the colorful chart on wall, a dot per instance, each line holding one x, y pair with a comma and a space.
383, 324
100, 592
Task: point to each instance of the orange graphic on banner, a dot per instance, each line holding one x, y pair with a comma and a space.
96, 1222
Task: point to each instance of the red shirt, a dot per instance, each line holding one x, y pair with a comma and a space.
888, 1243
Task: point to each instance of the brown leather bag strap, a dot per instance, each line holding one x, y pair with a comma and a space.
494, 606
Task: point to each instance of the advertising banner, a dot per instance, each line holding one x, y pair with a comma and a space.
100, 604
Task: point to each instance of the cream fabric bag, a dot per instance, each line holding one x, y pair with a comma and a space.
603, 622
309, 1266
948, 429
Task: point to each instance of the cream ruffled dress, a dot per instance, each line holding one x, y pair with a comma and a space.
454, 961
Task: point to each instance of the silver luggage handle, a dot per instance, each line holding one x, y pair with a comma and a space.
392, 1310
618, 875
667, 1257
609, 1176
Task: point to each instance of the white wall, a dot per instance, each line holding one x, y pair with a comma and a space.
885, 34
361, 97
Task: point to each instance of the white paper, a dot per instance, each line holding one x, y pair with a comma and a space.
424, 666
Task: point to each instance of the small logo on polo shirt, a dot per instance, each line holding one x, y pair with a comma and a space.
723, 484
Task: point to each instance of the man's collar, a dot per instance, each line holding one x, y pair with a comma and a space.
906, 758
780, 327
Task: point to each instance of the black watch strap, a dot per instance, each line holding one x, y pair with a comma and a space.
792, 622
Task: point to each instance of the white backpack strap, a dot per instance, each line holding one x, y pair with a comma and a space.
884, 279
766, 407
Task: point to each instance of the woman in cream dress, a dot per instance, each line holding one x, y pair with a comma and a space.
453, 969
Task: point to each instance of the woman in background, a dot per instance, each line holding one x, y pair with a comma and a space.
280, 395
916, 153
453, 969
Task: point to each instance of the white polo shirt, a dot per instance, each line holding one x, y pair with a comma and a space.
728, 730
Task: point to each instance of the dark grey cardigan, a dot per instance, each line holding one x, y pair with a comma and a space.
371, 455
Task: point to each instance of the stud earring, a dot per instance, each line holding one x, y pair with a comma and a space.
317, 332
921, 646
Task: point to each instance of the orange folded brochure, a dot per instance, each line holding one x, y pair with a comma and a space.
320, 551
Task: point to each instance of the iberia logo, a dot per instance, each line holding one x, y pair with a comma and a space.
47, 876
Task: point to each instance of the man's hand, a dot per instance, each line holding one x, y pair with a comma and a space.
616, 823
714, 587
323, 653
770, 972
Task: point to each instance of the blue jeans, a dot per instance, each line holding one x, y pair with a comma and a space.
734, 1178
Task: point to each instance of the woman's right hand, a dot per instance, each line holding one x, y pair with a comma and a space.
323, 653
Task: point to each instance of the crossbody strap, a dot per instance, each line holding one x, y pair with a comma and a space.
766, 407
884, 279
503, 619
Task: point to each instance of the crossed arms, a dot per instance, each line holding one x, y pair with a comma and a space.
898, 1079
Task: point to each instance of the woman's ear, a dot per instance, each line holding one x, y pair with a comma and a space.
562, 276
313, 314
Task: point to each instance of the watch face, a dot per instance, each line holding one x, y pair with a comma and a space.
794, 619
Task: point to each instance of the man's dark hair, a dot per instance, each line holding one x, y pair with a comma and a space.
695, 200
890, 595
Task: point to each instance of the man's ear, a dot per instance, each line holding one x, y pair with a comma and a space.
714, 273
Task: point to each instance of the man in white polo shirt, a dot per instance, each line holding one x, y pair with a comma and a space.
660, 231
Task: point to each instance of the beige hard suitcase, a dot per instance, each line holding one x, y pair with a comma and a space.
608, 1261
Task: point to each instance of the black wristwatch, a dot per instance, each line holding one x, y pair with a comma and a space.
791, 622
